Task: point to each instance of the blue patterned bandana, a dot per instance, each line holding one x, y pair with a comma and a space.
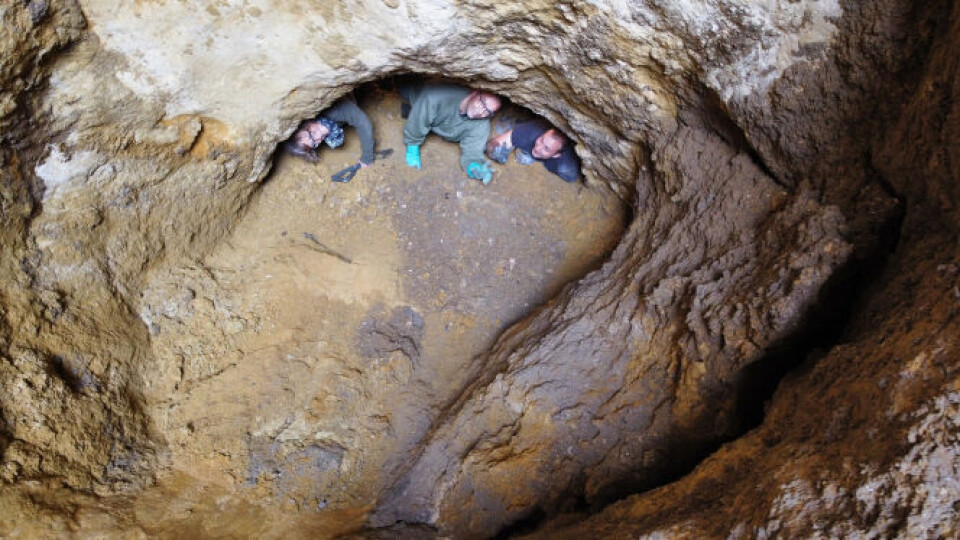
335, 137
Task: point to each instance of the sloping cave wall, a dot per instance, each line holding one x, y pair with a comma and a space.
743, 135
862, 441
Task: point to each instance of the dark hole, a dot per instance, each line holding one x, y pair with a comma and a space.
565, 165
523, 526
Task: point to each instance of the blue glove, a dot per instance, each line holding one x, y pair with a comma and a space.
480, 171
413, 156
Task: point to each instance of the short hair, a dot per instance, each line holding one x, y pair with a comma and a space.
564, 140
498, 102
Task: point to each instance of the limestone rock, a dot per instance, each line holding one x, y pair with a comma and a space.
863, 440
137, 140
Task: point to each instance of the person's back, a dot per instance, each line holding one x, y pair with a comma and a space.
455, 113
436, 108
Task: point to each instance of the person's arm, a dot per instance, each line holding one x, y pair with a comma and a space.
348, 112
361, 122
473, 142
418, 122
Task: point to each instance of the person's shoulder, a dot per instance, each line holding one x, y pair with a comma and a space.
525, 134
531, 128
535, 123
445, 90
566, 165
437, 86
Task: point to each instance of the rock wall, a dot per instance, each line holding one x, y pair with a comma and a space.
740, 134
862, 441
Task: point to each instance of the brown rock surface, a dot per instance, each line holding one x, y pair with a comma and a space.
195, 345
863, 440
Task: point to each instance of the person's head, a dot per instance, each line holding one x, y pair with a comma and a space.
549, 145
479, 104
306, 140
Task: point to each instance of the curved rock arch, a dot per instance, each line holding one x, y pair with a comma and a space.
712, 124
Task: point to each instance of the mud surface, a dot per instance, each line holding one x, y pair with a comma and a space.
302, 360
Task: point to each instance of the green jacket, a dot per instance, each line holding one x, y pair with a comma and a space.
436, 108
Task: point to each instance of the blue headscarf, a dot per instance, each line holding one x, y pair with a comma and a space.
335, 137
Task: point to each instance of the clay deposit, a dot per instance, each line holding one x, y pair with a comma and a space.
741, 322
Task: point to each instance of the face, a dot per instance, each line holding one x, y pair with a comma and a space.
548, 145
311, 135
482, 105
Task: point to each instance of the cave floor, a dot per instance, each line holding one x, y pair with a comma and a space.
304, 360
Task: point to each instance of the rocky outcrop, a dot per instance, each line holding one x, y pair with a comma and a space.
741, 135
646, 371
862, 441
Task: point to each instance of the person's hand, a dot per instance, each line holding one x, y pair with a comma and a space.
480, 171
413, 156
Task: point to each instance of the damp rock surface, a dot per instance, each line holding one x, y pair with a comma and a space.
201, 337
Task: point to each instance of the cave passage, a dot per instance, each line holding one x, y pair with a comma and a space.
356, 312
514, 131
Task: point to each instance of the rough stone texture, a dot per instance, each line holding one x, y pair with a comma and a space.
863, 441
306, 354
740, 133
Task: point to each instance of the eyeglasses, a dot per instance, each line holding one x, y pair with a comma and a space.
485, 109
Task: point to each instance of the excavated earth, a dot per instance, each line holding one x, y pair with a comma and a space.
741, 323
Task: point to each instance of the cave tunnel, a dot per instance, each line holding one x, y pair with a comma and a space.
739, 322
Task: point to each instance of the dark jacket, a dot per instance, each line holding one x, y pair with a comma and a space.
346, 111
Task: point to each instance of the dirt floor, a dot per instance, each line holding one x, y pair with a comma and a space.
306, 358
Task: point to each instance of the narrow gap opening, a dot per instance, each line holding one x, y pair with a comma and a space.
517, 134
518, 147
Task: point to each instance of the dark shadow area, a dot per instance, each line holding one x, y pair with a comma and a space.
824, 326
6, 437
527, 525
